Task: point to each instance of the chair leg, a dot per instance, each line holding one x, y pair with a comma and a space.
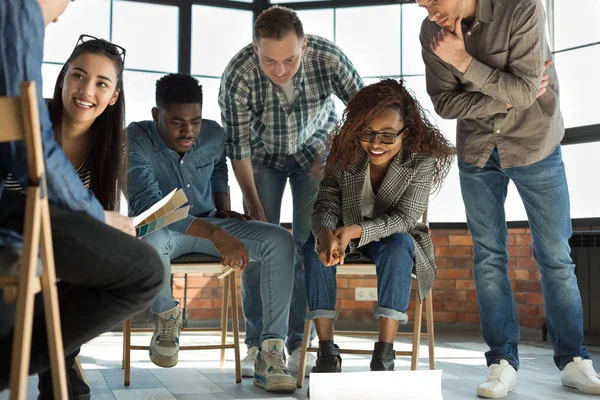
51, 310
414, 365
430, 330
80, 371
224, 318
236, 328
127, 352
21, 347
304, 353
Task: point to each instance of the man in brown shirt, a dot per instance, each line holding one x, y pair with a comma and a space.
489, 66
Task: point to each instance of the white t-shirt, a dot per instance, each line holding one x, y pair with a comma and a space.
288, 90
368, 197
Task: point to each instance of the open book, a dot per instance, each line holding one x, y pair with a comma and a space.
162, 213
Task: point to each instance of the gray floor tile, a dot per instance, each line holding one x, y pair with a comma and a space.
144, 394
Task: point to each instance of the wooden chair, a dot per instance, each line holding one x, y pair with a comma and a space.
416, 335
197, 264
20, 121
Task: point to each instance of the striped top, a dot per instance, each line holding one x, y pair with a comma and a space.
84, 171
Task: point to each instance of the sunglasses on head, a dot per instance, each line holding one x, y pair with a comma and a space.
108, 47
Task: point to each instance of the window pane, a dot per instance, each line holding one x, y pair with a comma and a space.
412, 60
49, 74
139, 95
213, 43
573, 23
91, 17
373, 45
581, 164
318, 22
578, 93
210, 93
152, 42
292, 1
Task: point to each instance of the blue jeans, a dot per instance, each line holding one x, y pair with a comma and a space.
543, 189
270, 184
394, 260
273, 248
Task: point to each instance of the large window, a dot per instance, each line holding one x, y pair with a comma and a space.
381, 41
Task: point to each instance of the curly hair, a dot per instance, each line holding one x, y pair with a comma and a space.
421, 135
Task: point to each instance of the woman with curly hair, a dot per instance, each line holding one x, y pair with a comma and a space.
385, 158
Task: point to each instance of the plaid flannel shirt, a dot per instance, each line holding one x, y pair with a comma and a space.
259, 121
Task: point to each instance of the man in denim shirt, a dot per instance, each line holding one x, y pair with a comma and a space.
95, 291
179, 149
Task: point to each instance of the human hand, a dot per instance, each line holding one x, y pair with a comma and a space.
344, 234
450, 47
120, 222
232, 250
329, 248
257, 212
543, 84
233, 214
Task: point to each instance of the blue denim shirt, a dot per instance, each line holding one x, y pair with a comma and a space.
155, 169
21, 55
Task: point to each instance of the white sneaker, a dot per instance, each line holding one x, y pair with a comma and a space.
270, 372
502, 378
164, 346
248, 362
580, 374
293, 363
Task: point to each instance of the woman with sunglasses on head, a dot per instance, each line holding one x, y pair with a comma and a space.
385, 159
88, 115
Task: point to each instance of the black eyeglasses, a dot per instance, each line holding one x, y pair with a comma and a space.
384, 137
108, 47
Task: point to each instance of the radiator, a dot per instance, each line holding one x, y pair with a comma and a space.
585, 251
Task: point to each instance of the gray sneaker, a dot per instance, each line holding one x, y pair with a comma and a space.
164, 347
270, 372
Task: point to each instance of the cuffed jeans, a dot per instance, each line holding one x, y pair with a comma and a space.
543, 189
394, 259
105, 277
270, 184
270, 278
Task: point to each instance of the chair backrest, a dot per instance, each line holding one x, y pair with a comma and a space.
21, 121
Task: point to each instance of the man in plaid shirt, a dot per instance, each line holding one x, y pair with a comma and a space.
278, 110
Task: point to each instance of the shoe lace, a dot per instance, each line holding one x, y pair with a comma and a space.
275, 359
586, 367
494, 372
169, 329
252, 353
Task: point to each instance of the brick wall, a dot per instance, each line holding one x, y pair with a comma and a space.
454, 290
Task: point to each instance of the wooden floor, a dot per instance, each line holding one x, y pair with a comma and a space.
198, 376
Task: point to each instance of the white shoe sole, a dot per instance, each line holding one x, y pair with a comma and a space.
489, 394
279, 387
584, 389
248, 373
165, 362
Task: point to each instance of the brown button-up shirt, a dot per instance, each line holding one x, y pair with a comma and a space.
508, 45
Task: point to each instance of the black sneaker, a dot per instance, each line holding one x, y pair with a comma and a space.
328, 357
383, 357
77, 388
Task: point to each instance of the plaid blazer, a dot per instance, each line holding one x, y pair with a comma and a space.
399, 203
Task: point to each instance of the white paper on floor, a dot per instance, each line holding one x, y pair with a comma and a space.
271, 398
408, 385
